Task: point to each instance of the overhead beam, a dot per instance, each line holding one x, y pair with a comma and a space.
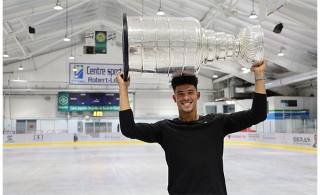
29, 10
50, 17
101, 22
249, 77
25, 25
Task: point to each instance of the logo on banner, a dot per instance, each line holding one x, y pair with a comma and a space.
38, 137
9, 138
302, 140
229, 136
63, 100
101, 37
78, 74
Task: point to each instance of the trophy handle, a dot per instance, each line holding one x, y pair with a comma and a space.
125, 47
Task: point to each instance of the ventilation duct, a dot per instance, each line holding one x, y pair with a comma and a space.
286, 81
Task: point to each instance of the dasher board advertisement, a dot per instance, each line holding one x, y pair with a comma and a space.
93, 74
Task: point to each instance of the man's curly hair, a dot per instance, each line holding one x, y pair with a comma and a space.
184, 79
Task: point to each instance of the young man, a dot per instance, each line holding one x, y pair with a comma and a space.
193, 144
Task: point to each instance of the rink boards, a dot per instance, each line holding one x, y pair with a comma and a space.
285, 139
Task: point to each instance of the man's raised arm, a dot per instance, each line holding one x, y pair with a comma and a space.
123, 92
141, 131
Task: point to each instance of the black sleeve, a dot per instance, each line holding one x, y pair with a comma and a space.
241, 120
142, 131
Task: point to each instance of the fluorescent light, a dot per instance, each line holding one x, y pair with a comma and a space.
20, 68
19, 80
215, 76
58, 6
74, 69
280, 53
246, 71
253, 15
5, 54
71, 57
230, 102
160, 12
66, 38
243, 68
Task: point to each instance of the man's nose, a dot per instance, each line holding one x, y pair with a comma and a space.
186, 97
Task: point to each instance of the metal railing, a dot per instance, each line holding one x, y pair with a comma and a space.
288, 126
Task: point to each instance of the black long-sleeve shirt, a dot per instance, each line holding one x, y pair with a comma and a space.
194, 149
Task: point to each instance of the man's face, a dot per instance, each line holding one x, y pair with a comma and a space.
186, 97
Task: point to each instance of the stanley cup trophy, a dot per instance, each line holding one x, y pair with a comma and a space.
155, 47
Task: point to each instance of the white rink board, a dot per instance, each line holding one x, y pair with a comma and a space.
63, 137
288, 139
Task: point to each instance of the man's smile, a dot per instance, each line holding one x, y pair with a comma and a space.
186, 103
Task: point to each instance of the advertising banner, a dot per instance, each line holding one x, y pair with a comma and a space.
90, 40
237, 137
93, 74
100, 137
112, 37
101, 42
37, 138
90, 101
63, 101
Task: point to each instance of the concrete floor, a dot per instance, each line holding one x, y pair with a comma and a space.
140, 169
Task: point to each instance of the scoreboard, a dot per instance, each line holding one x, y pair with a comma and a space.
80, 99
88, 102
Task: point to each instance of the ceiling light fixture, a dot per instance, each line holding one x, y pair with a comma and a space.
66, 38
243, 68
253, 13
246, 71
71, 57
280, 53
20, 68
5, 53
160, 11
74, 68
215, 76
58, 6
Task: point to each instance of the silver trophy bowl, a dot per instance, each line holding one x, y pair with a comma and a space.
156, 47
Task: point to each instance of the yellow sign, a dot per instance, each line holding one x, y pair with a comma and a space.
97, 113
101, 37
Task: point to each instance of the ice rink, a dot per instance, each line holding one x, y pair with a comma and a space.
141, 169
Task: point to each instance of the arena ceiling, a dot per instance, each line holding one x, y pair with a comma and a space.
297, 40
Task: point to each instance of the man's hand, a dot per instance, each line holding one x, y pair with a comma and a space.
121, 82
259, 71
258, 68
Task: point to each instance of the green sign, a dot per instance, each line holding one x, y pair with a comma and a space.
101, 42
94, 108
63, 102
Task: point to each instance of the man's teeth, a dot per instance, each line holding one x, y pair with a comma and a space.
187, 104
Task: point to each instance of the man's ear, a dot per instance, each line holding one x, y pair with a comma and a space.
174, 98
198, 95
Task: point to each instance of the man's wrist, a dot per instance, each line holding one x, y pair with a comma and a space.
258, 73
123, 88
